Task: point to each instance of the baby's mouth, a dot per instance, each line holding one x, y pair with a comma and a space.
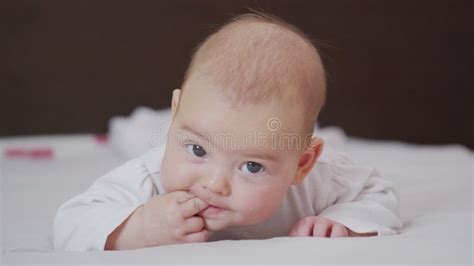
211, 211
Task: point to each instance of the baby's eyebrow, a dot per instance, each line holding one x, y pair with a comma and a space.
261, 155
195, 132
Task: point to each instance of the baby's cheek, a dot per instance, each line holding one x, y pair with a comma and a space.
259, 205
174, 178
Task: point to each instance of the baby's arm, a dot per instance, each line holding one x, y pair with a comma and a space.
364, 202
352, 201
121, 210
84, 222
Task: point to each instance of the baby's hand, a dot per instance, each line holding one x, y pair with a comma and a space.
169, 219
322, 227
164, 219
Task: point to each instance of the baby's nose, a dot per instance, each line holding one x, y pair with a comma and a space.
216, 184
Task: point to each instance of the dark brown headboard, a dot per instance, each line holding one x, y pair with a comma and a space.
398, 69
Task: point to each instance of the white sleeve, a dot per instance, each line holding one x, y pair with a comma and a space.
360, 199
84, 222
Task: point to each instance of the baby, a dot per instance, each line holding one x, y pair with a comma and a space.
240, 161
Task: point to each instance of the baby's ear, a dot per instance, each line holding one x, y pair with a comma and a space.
308, 159
175, 101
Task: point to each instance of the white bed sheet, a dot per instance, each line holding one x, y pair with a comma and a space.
436, 207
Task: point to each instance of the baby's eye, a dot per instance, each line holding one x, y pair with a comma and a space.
252, 167
196, 150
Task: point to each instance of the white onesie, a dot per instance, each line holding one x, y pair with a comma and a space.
335, 188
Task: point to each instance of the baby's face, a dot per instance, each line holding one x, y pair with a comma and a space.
236, 159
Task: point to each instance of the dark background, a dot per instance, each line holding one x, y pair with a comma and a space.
398, 69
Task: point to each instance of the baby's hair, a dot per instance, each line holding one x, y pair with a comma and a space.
256, 57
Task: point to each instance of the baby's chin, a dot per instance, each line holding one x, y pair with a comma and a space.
215, 224
221, 224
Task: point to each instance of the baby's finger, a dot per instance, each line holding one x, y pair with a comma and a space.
339, 230
321, 228
192, 207
200, 236
181, 196
193, 224
302, 228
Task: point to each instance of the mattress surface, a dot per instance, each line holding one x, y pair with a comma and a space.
435, 185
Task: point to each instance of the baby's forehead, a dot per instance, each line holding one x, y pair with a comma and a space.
204, 100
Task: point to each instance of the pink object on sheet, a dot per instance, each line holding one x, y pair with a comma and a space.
33, 153
41, 153
101, 138
15, 153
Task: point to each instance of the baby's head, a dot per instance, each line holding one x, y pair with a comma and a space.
243, 120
